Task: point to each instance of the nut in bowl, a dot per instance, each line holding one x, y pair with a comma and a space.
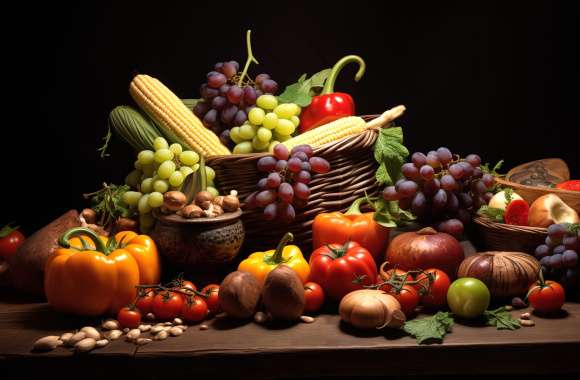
197, 231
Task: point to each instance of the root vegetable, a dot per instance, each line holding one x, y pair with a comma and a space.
239, 294
85, 345
47, 343
368, 309
26, 266
283, 293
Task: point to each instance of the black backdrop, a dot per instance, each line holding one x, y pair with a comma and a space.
499, 79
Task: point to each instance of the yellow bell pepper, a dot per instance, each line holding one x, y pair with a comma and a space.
259, 264
93, 275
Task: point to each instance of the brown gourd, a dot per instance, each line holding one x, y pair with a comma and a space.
506, 274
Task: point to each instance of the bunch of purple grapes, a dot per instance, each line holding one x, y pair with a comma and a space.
442, 188
224, 103
559, 254
285, 188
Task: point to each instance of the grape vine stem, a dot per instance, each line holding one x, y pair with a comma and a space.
250, 59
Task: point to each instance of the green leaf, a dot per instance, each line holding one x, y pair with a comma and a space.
7, 230
495, 214
495, 171
390, 152
301, 91
501, 319
430, 329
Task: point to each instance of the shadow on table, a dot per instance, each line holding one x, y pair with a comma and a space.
389, 334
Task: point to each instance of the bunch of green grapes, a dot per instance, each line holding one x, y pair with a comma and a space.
157, 172
268, 124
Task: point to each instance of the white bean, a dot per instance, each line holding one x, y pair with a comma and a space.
85, 345
47, 343
91, 332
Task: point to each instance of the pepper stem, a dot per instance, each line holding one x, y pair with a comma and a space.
250, 59
277, 256
338, 66
354, 208
339, 252
64, 242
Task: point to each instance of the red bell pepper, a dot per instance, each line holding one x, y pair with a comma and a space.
573, 185
336, 227
341, 269
330, 105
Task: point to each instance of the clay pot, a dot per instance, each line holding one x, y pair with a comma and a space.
201, 244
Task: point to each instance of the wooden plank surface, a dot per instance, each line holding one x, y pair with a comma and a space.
326, 347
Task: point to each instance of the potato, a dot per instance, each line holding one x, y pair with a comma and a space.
26, 266
239, 295
283, 293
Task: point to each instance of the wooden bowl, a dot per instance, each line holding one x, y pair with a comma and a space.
201, 244
507, 237
532, 180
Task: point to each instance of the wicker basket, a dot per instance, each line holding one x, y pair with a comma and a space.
352, 175
506, 237
555, 169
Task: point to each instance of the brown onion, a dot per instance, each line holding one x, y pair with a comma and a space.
425, 249
506, 274
370, 309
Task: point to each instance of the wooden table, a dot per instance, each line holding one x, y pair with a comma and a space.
326, 347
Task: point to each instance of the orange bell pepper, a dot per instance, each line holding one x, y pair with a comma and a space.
338, 227
93, 275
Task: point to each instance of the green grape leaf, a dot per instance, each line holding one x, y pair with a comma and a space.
390, 153
303, 90
430, 329
501, 319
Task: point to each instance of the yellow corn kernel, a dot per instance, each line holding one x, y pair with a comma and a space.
333, 131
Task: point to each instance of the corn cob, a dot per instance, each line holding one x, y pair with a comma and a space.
332, 131
171, 115
133, 127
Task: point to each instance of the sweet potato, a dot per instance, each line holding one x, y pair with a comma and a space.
26, 266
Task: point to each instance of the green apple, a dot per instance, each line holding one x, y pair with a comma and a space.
468, 297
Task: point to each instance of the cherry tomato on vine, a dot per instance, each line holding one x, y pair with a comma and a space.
212, 300
408, 297
194, 309
188, 285
436, 291
10, 240
546, 297
314, 296
145, 301
167, 305
129, 317
399, 274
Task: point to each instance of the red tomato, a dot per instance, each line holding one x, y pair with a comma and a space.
573, 185
516, 213
341, 269
10, 240
399, 274
546, 297
314, 296
167, 305
211, 291
408, 297
194, 309
188, 285
129, 317
145, 301
436, 295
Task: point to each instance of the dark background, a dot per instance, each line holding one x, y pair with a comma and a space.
498, 79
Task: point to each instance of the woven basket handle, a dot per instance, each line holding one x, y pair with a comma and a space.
387, 117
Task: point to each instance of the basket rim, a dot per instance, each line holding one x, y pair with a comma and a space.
548, 190
486, 222
264, 154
